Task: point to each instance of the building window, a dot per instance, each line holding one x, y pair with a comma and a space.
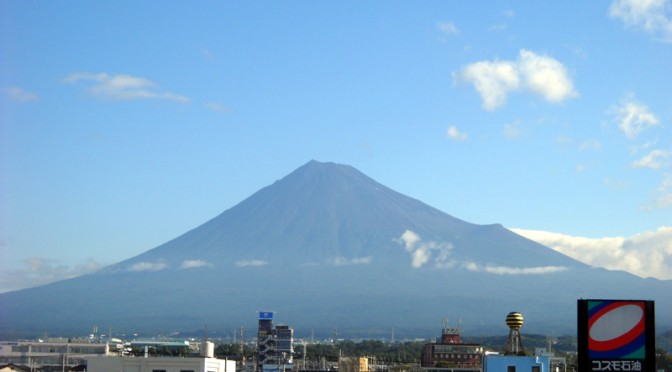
536, 369
186, 370
511, 369
158, 370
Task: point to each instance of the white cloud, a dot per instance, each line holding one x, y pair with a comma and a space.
663, 201
590, 145
492, 80
532, 72
499, 27
16, 94
655, 159
664, 198
454, 134
253, 263
448, 28
633, 117
123, 87
36, 271
409, 238
506, 270
546, 76
648, 15
148, 266
342, 261
422, 252
217, 107
205, 52
648, 254
513, 130
194, 264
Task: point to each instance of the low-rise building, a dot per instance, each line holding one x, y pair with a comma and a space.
158, 364
36, 354
516, 363
353, 364
450, 353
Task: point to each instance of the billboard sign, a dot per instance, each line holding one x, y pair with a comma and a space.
265, 315
616, 335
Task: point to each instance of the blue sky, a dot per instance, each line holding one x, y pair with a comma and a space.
124, 124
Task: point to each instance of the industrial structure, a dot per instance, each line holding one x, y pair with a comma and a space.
514, 358
514, 344
450, 353
275, 345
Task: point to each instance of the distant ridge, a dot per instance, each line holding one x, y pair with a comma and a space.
328, 247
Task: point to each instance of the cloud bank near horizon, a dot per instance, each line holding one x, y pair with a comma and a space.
35, 272
648, 254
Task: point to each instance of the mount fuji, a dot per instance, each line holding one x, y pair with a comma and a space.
329, 248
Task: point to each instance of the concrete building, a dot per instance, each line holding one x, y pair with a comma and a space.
353, 364
557, 364
37, 354
449, 353
158, 364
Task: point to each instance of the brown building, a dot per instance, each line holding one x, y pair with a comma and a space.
450, 353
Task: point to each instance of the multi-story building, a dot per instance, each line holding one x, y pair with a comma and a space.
450, 353
275, 346
284, 350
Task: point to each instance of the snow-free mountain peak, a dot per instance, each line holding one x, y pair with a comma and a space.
328, 247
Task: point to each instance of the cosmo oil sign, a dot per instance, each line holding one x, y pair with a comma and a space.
616, 335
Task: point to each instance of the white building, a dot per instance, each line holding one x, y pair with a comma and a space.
36, 353
158, 364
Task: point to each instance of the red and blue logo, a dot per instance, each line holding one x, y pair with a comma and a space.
616, 330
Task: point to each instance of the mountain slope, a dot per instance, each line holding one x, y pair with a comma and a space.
327, 247
325, 211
